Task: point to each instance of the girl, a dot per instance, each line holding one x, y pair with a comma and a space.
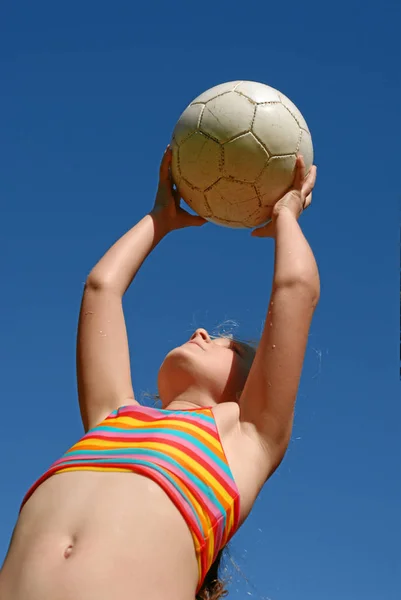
143, 505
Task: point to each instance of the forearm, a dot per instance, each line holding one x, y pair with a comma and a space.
118, 267
294, 262
269, 396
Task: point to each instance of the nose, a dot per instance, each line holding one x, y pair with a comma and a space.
201, 333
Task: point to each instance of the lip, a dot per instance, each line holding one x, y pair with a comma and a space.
196, 344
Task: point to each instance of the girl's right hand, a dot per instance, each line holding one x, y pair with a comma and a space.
167, 209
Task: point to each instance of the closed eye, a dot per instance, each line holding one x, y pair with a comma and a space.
235, 347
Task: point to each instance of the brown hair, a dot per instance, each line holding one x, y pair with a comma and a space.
213, 587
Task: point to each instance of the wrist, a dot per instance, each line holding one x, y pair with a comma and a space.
283, 213
160, 223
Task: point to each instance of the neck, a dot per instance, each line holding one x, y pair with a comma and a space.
191, 398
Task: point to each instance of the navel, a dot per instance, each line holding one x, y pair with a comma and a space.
68, 551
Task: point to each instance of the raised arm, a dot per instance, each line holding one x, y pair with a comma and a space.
103, 361
268, 400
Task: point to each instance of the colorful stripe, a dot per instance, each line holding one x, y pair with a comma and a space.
182, 452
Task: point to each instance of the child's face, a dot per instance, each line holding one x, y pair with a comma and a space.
216, 367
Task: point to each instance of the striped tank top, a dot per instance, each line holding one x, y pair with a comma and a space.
182, 452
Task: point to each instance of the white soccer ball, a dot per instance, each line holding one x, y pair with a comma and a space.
234, 151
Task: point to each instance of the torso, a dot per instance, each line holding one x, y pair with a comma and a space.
87, 535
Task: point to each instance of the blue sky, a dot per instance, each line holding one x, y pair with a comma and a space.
90, 95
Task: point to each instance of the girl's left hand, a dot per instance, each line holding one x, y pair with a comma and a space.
295, 201
167, 208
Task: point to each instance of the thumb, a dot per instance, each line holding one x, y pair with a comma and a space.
196, 221
188, 220
264, 231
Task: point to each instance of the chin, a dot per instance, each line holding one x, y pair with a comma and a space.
183, 356
178, 370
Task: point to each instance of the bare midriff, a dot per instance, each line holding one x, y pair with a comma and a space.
100, 536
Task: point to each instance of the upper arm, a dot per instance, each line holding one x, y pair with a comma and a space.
103, 362
268, 400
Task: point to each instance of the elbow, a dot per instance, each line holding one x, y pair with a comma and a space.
303, 284
98, 282
311, 286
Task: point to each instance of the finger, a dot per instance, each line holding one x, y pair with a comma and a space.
176, 195
309, 182
299, 173
308, 201
165, 165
